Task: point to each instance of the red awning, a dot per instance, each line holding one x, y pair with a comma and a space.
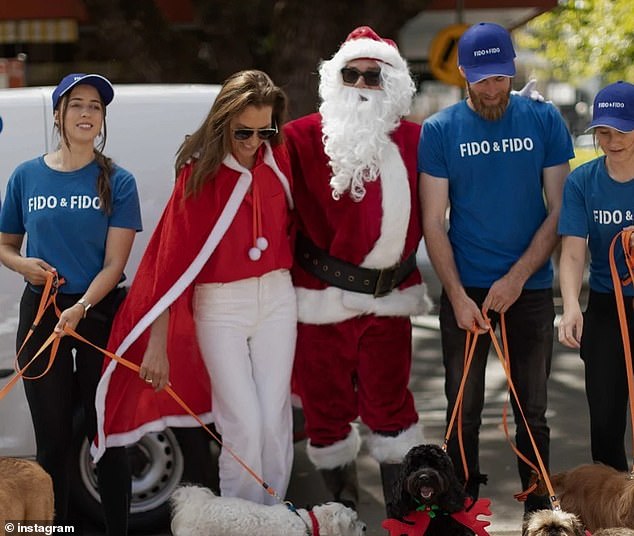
175, 11
42, 10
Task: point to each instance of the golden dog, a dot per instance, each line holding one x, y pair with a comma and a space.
26, 492
600, 495
614, 532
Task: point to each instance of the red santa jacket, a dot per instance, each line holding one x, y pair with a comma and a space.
185, 237
382, 229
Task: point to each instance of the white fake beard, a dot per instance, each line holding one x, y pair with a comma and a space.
356, 127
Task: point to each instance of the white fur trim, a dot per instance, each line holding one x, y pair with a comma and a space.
393, 449
396, 206
269, 160
339, 453
333, 304
131, 437
217, 232
369, 48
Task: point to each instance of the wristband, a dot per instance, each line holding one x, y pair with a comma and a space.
85, 305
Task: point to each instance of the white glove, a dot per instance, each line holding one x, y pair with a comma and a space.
529, 91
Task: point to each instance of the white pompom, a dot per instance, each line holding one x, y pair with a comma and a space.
254, 254
262, 243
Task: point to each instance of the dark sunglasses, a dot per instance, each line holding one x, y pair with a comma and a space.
243, 134
350, 75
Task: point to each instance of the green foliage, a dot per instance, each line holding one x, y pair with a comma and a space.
583, 38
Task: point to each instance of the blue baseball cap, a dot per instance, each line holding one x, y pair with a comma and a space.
486, 50
100, 83
614, 107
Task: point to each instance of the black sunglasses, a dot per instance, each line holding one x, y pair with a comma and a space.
350, 75
242, 134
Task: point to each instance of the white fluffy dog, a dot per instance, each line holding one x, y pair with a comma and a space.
197, 511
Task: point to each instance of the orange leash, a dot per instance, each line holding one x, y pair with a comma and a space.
48, 298
542, 472
457, 412
134, 367
53, 282
618, 284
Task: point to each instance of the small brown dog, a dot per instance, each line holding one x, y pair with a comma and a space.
552, 523
26, 492
600, 495
614, 532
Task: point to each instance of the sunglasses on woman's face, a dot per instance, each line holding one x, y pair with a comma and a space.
243, 134
350, 76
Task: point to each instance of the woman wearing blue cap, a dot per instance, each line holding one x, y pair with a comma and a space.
598, 203
81, 213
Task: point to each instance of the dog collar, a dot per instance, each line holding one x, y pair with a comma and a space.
432, 510
314, 522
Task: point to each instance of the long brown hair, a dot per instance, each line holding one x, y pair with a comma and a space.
212, 141
104, 190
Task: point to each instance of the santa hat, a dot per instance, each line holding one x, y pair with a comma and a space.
364, 42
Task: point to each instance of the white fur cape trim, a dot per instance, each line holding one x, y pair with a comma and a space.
396, 208
393, 449
333, 304
368, 48
339, 453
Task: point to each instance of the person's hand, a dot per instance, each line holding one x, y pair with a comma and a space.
502, 294
571, 327
529, 91
155, 366
69, 318
468, 316
35, 270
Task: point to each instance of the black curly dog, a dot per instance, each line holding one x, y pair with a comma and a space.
428, 482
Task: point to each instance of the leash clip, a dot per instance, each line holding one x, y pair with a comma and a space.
56, 282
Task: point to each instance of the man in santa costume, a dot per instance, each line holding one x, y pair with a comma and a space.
354, 169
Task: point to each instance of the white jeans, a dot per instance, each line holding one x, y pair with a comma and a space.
246, 332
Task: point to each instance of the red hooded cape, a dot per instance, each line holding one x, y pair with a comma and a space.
185, 237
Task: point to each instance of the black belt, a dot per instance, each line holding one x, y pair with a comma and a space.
348, 276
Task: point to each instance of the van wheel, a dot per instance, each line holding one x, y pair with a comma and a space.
156, 462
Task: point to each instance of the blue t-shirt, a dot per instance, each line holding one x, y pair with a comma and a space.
494, 170
597, 207
60, 214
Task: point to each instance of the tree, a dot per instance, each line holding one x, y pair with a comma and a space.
285, 38
584, 38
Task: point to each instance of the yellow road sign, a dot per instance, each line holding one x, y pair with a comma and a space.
443, 54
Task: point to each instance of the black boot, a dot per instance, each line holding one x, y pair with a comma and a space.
342, 483
390, 473
472, 489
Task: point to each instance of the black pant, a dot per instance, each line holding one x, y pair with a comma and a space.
529, 326
606, 378
52, 400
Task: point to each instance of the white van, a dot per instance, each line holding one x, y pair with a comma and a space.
145, 126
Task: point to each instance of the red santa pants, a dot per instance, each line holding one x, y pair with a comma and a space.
356, 368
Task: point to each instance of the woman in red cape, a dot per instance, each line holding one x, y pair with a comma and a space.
212, 309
